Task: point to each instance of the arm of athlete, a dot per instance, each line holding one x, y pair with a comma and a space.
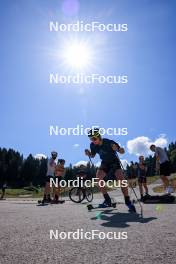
92, 152
89, 153
117, 148
157, 160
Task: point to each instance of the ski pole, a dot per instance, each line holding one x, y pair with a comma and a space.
90, 161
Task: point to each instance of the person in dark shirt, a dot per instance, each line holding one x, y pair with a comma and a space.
110, 162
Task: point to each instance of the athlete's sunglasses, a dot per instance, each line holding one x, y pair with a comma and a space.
93, 138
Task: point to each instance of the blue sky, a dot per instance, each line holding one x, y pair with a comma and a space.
146, 53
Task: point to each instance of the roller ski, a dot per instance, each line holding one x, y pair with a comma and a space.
47, 202
159, 199
57, 201
105, 204
43, 202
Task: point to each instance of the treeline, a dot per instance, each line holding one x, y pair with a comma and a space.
17, 171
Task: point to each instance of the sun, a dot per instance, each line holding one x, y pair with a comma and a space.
77, 56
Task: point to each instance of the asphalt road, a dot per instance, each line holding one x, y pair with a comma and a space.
25, 233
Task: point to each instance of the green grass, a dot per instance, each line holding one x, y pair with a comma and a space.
10, 193
18, 193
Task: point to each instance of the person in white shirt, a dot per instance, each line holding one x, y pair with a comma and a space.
162, 164
51, 165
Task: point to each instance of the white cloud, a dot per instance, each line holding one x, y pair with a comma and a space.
76, 145
161, 141
40, 156
141, 145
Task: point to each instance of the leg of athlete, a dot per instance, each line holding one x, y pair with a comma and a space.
141, 189
120, 176
165, 181
47, 188
100, 175
56, 193
168, 187
145, 187
47, 192
57, 189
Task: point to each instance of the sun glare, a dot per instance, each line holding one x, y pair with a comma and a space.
77, 56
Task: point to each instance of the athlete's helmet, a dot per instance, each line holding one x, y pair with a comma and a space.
53, 153
94, 133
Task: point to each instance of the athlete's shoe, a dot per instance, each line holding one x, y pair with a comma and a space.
169, 190
105, 204
147, 195
43, 201
132, 208
142, 197
47, 200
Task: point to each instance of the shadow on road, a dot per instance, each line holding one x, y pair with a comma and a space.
121, 219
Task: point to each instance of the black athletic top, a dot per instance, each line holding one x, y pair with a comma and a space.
107, 154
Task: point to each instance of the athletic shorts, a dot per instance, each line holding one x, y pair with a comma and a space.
142, 180
110, 168
48, 177
165, 168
